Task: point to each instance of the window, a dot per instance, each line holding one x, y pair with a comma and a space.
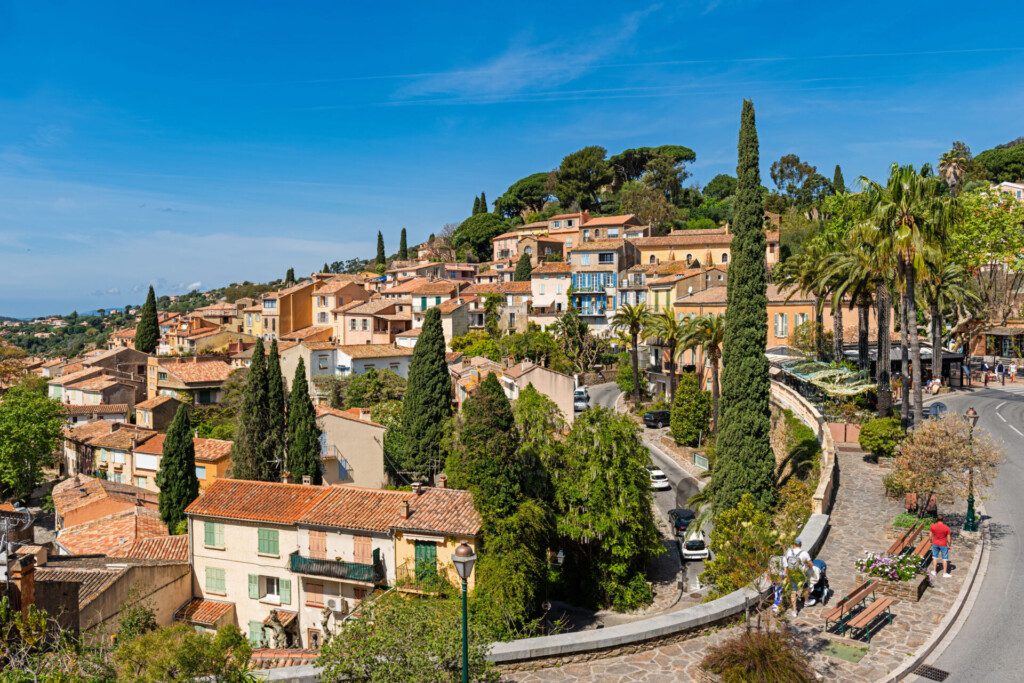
364, 324
584, 259
318, 544
394, 367
613, 232
270, 303
586, 235
103, 457
118, 458
652, 260
267, 542
725, 258
117, 478
314, 594
558, 288
139, 481
423, 303
437, 301
541, 291
200, 473
213, 534
161, 375
689, 257
313, 638
270, 589
568, 223
321, 317
321, 301
215, 581
352, 324
781, 326
606, 258
557, 224
321, 362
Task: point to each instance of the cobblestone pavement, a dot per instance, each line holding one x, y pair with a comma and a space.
860, 517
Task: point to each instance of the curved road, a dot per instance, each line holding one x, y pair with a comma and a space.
987, 646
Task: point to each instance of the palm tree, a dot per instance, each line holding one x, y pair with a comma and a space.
952, 167
908, 217
632, 318
947, 287
671, 332
855, 278
708, 333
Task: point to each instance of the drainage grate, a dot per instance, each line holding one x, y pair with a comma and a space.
931, 673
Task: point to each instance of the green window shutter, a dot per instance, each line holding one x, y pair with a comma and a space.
218, 534
255, 632
272, 544
423, 303
209, 534
286, 591
215, 580
254, 586
261, 541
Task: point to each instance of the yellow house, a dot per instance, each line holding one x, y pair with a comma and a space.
213, 461
252, 319
699, 247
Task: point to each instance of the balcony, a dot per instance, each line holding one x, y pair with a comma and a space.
424, 579
336, 569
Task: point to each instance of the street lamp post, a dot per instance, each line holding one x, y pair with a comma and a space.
464, 559
971, 523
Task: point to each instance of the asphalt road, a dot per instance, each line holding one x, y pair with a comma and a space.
683, 486
987, 646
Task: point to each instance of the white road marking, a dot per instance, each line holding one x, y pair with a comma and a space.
1001, 417
1016, 430
1000, 405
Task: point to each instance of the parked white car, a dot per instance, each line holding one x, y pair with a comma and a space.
659, 481
694, 547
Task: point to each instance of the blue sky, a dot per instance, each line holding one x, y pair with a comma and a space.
179, 143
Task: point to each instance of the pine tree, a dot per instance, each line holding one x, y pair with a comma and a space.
428, 397
744, 460
838, 184
303, 432
176, 477
403, 247
274, 450
247, 453
289, 277
523, 268
147, 332
381, 256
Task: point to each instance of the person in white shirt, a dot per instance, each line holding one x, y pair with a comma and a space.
798, 566
1013, 372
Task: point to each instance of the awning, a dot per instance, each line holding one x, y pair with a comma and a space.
204, 612
1005, 331
284, 616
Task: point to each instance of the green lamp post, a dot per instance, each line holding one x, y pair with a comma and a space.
971, 523
464, 558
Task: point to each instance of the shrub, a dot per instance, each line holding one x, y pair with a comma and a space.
691, 411
905, 520
743, 540
893, 486
759, 656
881, 436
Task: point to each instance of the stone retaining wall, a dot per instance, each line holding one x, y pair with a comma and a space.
786, 397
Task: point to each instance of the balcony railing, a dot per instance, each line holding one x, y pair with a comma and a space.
336, 569
420, 577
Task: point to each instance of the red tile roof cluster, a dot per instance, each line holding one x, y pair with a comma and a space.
113, 534
101, 409
434, 510
256, 501
484, 288
553, 268
207, 450
159, 548
81, 490
203, 612
155, 402
194, 371
87, 431
124, 437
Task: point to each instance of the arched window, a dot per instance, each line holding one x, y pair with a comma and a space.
725, 258
653, 260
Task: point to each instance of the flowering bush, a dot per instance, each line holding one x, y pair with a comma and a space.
892, 568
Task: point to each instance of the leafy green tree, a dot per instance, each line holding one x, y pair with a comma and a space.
179, 653
523, 268
476, 233
525, 196
744, 460
477, 343
398, 639
248, 454
632, 319
176, 477
492, 315
542, 428
838, 184
624, 374
428, 400
277, 405
30, 431
744, 541
579, 346
303, 432
721, 186
373, 387
691, 412
666, 174
647, 203
603, 508
403, 247
147, 331
381, 256
289, 277
580, 177
1004, 162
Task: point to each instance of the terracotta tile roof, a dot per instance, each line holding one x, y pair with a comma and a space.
198, 371
102, 409
396, 317
127, 333
353, 414
507, 235
687, 238
159, 548
319, 345
438, 287
666, 280
123, 437
306, 332
91, 581
277, 658
207, 450
112, 534
408, 286
155, 402
75, 376
460, 266
372, 307
609, 220
448, 511
484, 288
203, 612
256, 501
374, 350
409, 334
682, 267
553, 268
336, 285
600, 245
346, 307
87, 431
80, 490
435, 510
717, 295
562, 216
294, 288
453, 305
94, 384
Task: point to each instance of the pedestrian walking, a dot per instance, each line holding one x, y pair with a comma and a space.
797, 562
1013, 372
940, 536
984, 373
1001, 372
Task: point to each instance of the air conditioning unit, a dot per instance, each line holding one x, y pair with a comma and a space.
339, 606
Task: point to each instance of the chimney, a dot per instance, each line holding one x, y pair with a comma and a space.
284, 477
23, 576
442, 481
417, 488
405, 509
306, 479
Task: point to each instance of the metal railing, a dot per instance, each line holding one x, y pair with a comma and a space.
336, 569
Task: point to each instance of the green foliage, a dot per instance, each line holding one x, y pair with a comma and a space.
136, 619
523, 268
880, 437
893, 485
799, 181
403, 247
289, 277
147, 332
581, 176
745, 463
492, 314
624, 374
768, 656
700, 224
476, 233
277, 405
526, 195
406, 639
744, 540
1004, 162
647, 202
381, 255
721, 186
180, 653
219, 420
542, 428
905, 520
248, 454
838, 183
176, 477
603, 507
427, 401
373, 387
30, 430
303, 432
691, 412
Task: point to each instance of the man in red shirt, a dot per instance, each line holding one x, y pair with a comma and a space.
940, 534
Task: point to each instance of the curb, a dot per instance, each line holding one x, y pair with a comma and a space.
977, 570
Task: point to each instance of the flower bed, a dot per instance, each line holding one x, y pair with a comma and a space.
900, 576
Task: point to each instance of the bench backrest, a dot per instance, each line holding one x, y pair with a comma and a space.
856, 596
902, 542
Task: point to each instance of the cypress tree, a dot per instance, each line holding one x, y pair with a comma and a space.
289, 277
326, 269
523, 268
838, 184
253, 420
483, 203
303, 432
147, 331
274, 450
428, 399
381, 256
476, 206
176, 477
744, 461
403, 247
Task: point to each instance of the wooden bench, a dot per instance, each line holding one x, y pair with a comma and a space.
905, 541
841, 613
865, 620
923, 549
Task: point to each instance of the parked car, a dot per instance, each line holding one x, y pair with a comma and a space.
694, 547
681, 518
581, 394
580, 404
659, 481
656, 419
